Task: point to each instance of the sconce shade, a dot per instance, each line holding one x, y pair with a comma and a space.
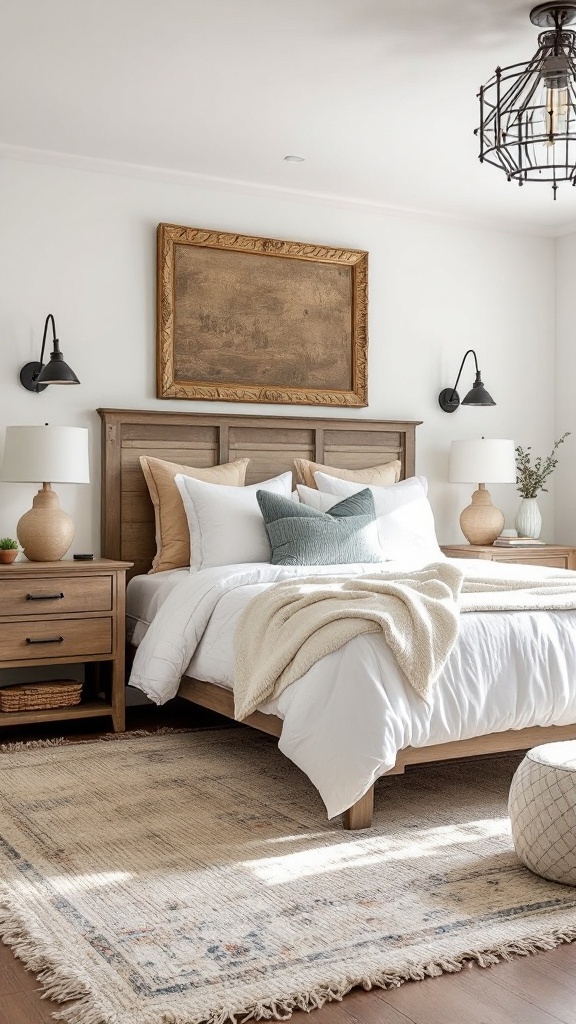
37, 376
57, 371
41, 455
482, 460
478, 394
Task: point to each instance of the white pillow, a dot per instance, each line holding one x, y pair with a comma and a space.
324, 482
316, 499
225, 523
405, 519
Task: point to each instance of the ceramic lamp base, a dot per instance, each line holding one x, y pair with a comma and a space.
481, 522
45, 532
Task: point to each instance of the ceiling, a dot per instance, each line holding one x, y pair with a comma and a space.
379, 96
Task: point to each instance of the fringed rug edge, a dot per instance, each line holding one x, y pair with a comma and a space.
61, 983
107, 737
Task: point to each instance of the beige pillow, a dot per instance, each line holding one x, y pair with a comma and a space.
172, 534
375, 476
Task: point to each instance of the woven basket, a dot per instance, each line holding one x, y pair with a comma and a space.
60, 693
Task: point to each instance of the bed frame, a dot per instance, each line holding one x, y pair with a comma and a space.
271, 443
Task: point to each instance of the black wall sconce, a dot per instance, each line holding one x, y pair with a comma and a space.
449, 400
37, 377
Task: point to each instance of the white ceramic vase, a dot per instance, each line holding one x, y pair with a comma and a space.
529, 518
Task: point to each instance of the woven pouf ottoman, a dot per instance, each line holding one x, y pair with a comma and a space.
542, 809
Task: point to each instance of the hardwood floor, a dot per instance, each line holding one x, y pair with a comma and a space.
538, 989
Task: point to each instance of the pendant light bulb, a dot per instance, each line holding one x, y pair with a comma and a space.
556, 102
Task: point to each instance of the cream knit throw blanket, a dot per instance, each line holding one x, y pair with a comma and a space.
286, 629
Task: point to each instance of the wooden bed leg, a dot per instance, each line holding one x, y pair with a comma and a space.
360, 814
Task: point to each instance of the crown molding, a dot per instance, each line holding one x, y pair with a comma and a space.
145, 172
565, 229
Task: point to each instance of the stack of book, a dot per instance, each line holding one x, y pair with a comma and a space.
516, 542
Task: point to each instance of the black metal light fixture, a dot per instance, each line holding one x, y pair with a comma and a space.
37, 376
449, 399
528, 110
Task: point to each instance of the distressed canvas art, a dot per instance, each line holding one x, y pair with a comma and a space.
242, 318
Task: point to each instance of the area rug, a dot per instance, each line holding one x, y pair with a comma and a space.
184, 878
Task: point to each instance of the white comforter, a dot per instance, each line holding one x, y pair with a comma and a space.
347, 718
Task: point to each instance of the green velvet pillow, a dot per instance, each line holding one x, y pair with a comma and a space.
300, 535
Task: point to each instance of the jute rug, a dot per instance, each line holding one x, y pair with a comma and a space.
193, 877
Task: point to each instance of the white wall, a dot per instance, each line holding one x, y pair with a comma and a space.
81, 244
565, 359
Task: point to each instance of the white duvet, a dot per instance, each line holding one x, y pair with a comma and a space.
346, 719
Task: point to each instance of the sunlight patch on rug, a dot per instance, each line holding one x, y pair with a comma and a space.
365, 852
192, 877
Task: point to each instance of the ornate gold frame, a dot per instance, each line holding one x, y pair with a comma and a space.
171, 235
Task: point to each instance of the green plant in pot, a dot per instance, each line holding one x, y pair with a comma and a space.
8, 550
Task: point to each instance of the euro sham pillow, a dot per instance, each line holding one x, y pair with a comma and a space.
226, 527
172, 534
404, 517
301, 535
376, 476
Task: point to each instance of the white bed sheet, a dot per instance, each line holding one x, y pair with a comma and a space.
144, 596
347, 718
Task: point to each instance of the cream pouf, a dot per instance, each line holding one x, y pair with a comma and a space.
542, 809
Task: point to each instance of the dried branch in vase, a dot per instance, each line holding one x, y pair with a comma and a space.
530, 478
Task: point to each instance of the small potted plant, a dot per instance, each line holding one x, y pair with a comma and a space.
8, 550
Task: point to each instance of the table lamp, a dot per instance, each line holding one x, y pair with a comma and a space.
486, 460
46, 455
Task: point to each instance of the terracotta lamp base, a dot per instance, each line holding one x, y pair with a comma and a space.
45, 532
481, 522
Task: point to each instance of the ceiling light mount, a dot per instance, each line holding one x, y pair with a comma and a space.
545, 15
528, 110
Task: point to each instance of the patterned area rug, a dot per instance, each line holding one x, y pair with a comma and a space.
193, 877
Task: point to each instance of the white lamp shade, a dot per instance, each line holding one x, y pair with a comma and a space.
483, 460
46, 454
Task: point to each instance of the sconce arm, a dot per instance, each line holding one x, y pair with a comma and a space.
470, 350
49, 319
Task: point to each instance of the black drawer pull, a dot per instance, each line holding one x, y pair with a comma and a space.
45, 597
45, 640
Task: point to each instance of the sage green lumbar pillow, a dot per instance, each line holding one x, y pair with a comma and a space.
301, 535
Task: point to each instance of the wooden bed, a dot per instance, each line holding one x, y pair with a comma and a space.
271, 443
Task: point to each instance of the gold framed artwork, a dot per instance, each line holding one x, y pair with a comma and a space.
249, 319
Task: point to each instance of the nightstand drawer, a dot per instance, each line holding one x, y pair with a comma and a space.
57, 638
53, 596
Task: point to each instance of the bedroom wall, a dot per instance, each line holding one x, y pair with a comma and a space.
565, 360
81, 244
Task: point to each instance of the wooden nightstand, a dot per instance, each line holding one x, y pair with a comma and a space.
59, 613
557, 556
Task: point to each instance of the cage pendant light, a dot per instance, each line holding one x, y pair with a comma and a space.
528, 110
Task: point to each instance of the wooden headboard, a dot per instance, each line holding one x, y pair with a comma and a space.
270, 442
